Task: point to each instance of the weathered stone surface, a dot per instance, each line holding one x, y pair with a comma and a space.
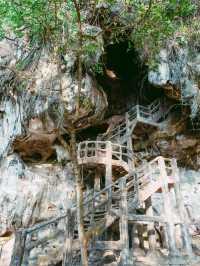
31, 194
178, 68
6, 246
10, 123
33, 112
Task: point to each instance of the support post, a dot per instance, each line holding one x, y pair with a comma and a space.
150, 227
18, 250
140, 232
92, 220
138, 111
109, 171
133, 235
167, 208
26, 251
67, 254
97, 180
124, 239
186, 240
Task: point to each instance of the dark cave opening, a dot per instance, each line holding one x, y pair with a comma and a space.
125, 79
92, 132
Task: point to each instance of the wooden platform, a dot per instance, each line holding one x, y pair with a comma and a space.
93, 153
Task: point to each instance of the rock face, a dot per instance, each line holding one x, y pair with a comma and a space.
33, 193
5, 251
178, 72
35, 107
38, 101
10, 123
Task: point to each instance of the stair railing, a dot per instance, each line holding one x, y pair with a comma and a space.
152, 112
28, 238
89, 151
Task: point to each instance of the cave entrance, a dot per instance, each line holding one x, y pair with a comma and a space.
125, 78
125, 82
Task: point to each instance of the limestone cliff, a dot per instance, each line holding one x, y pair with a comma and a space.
38, 96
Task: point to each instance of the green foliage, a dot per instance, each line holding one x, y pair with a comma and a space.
190, 33
183, 8
41, 20
98, 68
147, 24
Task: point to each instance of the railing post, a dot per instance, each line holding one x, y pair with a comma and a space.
92, 220
78, 152
136, 189
137, 111
124, 223
109, 171
86, 149
150, 115
167, 207
129, 144
18, 249
186, 240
